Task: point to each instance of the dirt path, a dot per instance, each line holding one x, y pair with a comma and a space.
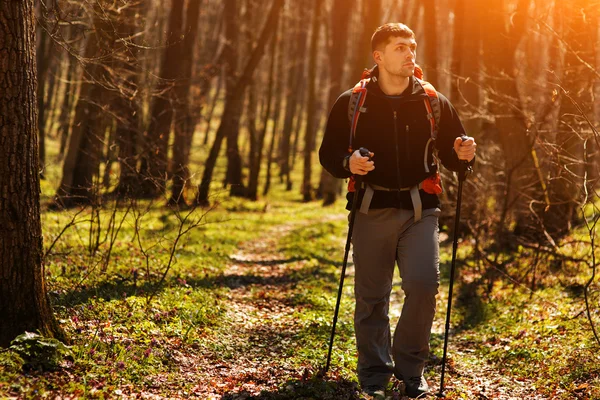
248, 359
261, 322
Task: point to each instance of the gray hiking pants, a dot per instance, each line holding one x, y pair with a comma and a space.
380, 239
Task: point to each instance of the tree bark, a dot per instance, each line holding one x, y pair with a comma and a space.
309, 134
24, 304
235, 100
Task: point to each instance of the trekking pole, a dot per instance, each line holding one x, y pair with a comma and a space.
365, 153
462, 175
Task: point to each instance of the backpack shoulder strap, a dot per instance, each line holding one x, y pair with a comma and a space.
432, 104
355, 107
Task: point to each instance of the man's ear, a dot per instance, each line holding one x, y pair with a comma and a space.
377, 56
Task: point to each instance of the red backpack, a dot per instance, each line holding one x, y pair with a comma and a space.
434, 113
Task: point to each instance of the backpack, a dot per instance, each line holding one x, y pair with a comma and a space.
434, 113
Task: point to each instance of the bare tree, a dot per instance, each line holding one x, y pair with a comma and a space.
567, 174
155, 156
82, 159
235, 99
294, 93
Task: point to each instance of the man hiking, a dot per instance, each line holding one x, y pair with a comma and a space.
407, 126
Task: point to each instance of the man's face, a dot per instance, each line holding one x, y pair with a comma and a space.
398, 57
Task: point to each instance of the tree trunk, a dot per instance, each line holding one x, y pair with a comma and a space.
24, 304
213, 105
233, 175
64, 125
235, 100
280, 75
155, 157
43, 63
431, 42
256, 159
183, 109
126, 100
309, 134
466, 66
296, 136
340, 20
294, 93
371, 18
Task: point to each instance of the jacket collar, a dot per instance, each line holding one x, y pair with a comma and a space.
414, 86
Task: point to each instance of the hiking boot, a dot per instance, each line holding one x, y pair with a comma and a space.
375, 391
417, 387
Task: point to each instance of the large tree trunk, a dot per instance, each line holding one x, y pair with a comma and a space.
235, 100
340, 20
311, 122
24, 305
155, 157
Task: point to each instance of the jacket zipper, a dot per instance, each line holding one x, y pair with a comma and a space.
397, 148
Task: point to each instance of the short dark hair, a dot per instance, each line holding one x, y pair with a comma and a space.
383, 34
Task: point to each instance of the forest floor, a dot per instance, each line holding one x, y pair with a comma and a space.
237, 301
245, 312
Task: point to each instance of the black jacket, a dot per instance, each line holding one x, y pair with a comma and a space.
397, 131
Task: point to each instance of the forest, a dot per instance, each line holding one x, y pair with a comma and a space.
167, 229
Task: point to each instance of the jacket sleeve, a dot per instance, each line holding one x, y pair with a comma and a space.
334, 146
450, 128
